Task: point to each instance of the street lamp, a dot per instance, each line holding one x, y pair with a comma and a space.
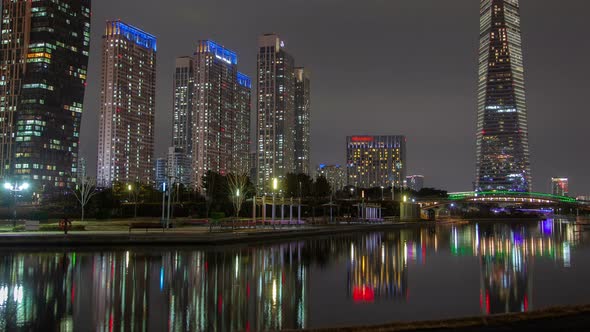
275, 185
382, 192
14, 188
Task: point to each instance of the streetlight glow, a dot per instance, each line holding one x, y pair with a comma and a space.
129, 187
7, 186
275, 183
24, 186
238, 192
405, 198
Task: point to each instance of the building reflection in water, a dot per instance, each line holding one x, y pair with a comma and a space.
255, 288
376, 268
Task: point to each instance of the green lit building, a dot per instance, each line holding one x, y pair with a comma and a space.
43, 64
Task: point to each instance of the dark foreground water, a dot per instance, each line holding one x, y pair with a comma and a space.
412, 274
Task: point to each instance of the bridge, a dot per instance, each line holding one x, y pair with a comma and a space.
521, 201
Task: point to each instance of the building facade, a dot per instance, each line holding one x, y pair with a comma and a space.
335, 174
302, 121
502, 131
182, 131
415, 182
161, 172
43, 63
179, 166
375, 161
221, 113
560, 186
275, 125
126, 125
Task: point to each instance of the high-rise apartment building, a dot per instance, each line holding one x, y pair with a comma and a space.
375, 161
126, 128
43, 65
502, 131
560, 186
302, 121
182, 131
335, 174
220, 120
415, 182
275, 125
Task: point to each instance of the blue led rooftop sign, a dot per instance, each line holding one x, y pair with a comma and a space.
133, 34
244, 80
222, 53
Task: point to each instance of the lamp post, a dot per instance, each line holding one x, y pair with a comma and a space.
382, 192
14, 188
134, 195
163, 204
275, 185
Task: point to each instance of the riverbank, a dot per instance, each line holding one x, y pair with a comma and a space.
189, 236
575, 318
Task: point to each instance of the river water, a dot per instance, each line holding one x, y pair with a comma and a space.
447, 271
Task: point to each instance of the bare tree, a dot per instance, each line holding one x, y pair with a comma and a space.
238, 187
84, 191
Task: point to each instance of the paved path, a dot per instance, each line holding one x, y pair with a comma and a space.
199, 235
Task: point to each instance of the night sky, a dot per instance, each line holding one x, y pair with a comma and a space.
382, 67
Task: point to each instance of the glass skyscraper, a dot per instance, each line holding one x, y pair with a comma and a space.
43, 67
302, 121
502, 131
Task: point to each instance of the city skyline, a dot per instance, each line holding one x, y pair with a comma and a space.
386, 107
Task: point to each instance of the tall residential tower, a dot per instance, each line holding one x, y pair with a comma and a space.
275, 125
43, 66
212, 112
502, 131
126, 129
302, 122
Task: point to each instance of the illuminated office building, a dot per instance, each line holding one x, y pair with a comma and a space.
375, 161
275, 125
335, 174
502, 131
182, 131
302, 122
161, 172
43, 65
221, 113
560, 186
126, 125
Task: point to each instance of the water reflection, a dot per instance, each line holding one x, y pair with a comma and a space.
253, 288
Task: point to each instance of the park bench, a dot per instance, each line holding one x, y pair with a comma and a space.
145, 226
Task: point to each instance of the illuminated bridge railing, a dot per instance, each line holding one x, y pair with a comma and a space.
510, 196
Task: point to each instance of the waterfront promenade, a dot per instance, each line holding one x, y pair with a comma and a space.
197, 235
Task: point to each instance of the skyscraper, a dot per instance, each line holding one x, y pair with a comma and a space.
375, 161
43, 66
179, 166
502, 131
335, 174
160, 172
221, 113
276, 111
302, 121
182, 131
126, 129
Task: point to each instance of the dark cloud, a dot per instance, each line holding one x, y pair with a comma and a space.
384, 67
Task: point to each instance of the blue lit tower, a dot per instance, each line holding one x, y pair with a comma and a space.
221, 113
502, 131
126, 127
43, 68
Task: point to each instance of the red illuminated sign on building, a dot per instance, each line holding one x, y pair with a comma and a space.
362, 139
